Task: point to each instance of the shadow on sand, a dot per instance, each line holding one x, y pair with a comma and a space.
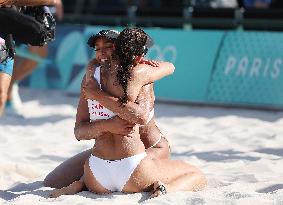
35, 188
24, 189
217, 155
271, 188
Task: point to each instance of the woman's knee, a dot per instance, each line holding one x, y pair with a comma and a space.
197, 175
56, 180
49, 182
68, 171
201, 181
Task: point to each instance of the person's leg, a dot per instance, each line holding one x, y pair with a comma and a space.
180, 176
67, 172
188, 179
5, 80
25, 68
6, 70
88, 180
75, 187
175, 175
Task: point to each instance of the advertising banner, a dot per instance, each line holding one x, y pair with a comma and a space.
212, 67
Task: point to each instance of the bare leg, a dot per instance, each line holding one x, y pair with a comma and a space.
175, 175
67, 172
187, 182
75, 187
5, 80
21, 70
87, 180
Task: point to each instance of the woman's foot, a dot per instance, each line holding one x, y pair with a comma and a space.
73, 188
58, 192
158, 189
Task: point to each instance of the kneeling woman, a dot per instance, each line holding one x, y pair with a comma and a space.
119, 162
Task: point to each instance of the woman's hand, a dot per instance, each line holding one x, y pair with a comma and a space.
150, 62
90, 69
118, 126
91, 89
90, 85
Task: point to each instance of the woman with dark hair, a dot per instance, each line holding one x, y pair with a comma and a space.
139, 111
119, 162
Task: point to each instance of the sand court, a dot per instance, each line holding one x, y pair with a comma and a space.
239, 150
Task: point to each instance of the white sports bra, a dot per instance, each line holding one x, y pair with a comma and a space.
97, 111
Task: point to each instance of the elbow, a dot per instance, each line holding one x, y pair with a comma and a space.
143, 119
171, 69
77, 134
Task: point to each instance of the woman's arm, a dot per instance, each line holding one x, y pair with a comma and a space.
152, 74
86, 130
93, 63
27, 2
143, 74
131, 112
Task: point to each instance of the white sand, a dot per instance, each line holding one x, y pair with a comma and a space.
240, 151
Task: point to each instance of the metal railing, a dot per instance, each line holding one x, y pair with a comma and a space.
184, 14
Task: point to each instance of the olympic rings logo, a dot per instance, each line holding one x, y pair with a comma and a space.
169, 53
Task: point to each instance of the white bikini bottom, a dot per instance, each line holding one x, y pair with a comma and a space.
114, 174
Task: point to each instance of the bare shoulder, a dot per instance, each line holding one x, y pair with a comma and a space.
141, 69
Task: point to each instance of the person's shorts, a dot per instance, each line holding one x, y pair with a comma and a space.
7, 67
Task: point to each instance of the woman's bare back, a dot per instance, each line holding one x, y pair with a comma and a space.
113, 146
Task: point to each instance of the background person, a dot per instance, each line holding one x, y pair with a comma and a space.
24, 67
